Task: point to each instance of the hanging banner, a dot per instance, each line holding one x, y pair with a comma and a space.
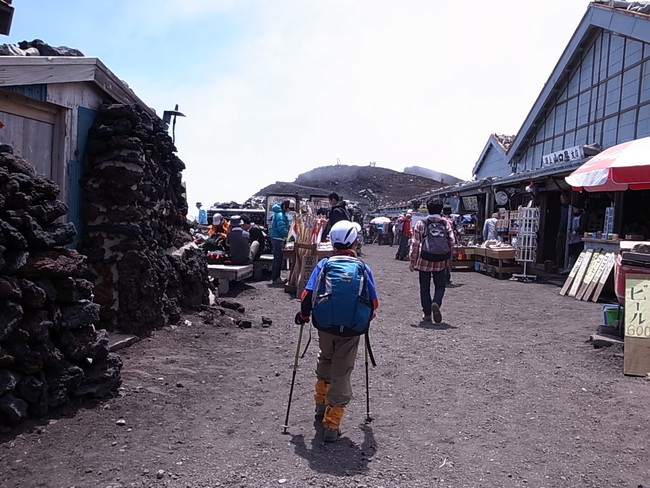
574, 153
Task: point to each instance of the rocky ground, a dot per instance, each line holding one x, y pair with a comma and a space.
506, 392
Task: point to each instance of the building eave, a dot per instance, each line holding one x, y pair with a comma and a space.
35, 70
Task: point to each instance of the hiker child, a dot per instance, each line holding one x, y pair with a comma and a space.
431, 247
341, 313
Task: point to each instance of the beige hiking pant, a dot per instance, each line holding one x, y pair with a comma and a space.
335, 364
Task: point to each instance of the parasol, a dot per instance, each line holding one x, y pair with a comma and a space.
380, 220
620, 167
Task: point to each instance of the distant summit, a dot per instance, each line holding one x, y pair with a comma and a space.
369, 186
434, 175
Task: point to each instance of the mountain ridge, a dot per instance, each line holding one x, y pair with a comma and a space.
370, 186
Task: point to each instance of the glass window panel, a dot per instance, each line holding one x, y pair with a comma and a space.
586, 70
563, 95
536, 155
549, 125
633, 52
626, 126
581, 137
583, 107
643, 124
599, 108
573, 83
644, 96
597, 137
630, 88
571, 114
558, 143
613, 95
609, 132
560, 115
570, 139
604, 50
615, 62
597, 61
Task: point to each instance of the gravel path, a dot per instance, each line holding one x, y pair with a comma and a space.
506, 392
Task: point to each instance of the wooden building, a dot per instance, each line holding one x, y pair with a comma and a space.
47, 105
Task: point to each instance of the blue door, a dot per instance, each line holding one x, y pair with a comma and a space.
76, 166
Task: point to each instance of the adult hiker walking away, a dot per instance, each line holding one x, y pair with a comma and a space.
341, 298
404, 233
430, 252
278, 232
446, 214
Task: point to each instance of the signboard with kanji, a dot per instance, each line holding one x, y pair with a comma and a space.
637, 306
636, 360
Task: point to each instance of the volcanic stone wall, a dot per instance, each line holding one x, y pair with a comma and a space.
50, 350
136, 233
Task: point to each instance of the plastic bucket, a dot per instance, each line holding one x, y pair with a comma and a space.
612, 313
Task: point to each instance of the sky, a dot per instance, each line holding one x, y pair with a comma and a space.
271, 89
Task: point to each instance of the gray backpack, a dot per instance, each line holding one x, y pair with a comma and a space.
435, 241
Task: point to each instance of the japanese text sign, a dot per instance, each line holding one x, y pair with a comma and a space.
637, 306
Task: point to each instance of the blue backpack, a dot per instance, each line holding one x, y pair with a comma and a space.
340, 303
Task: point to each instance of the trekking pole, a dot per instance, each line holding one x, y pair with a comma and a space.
368, 417
293, 378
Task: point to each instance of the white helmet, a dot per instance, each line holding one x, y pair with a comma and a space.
344, 233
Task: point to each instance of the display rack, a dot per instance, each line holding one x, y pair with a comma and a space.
526, 244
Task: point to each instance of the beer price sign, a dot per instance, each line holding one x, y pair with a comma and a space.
637, 306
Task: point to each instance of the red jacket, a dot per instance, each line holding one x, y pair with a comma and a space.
406, 228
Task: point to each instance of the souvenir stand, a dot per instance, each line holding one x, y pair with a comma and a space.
525, 242
304, 247
463, 252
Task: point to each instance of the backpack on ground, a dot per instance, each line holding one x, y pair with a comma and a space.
399, 225
435, 241
340, 303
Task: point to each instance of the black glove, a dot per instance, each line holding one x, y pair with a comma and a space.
300, 320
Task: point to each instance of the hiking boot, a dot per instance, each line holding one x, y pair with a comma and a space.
435, 311
320, 397
331, 435
426, 318
320, 410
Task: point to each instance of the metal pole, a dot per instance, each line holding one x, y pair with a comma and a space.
368, 417
293, 379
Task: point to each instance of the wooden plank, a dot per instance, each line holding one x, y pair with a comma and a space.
572, 274
589, 275
602, 263
581, 272
15, 104
609, 265
44, 74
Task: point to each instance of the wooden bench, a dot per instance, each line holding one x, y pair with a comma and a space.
263, 263
225, 273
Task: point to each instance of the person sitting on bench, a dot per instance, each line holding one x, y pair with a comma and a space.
242, 251
257, 237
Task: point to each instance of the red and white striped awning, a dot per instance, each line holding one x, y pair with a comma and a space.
618, 168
